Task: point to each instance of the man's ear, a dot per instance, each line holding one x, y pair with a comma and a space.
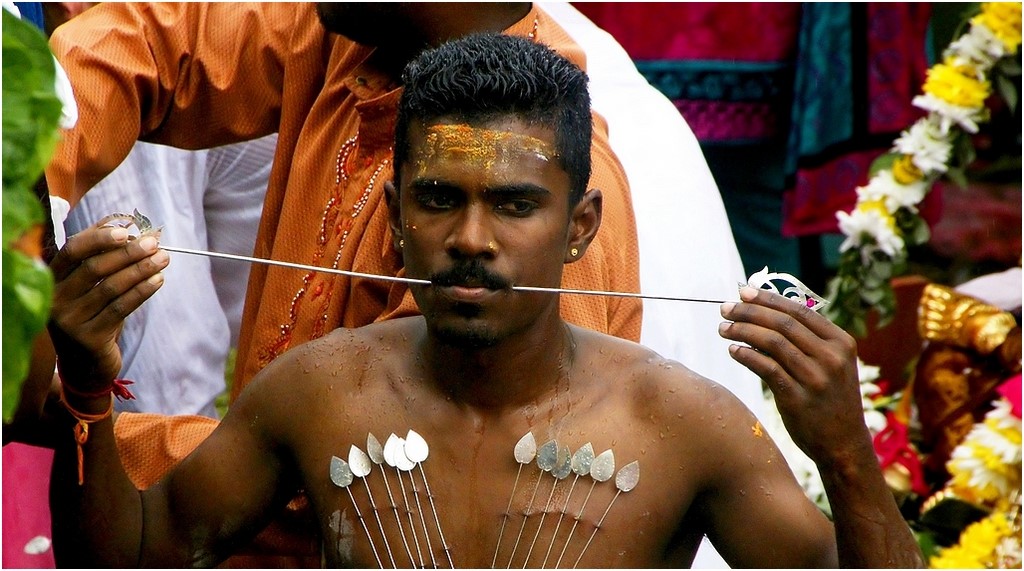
583, 224
394, 214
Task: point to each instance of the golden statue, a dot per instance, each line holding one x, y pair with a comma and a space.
970, 348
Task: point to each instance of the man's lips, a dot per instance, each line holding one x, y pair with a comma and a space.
472, 294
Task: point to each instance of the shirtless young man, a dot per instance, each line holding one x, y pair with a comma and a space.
492, 147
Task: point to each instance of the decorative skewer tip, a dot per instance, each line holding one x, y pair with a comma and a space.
374, 449
628, 476
603, 467
416, 448
341, 474
359, 462
547, 456
526, 449
582, 460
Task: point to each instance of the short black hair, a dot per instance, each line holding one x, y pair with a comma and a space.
482, 77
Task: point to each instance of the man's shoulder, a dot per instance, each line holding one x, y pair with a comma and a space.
659, 387
349, 348
348, 342
671, 411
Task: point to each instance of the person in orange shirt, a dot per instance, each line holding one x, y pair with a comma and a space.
493, 155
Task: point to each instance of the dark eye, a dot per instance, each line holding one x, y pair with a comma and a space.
436, 200
519, 206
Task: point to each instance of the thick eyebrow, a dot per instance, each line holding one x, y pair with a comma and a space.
516, 189
519, 189
421, 183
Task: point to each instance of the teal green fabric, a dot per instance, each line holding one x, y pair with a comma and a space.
822, 112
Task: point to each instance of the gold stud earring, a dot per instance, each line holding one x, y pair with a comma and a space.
574, 252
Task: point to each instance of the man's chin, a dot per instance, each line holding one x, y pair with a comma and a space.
466, 336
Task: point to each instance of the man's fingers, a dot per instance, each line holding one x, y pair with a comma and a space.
800, 324
771, 355
81, 298
98, 267
123, 292
789, 347
816, 323
84, 245
779, 381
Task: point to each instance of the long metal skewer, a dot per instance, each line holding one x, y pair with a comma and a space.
392, 448
293, 265
437, 522
341, 475
601, 470
361, 464
625, 481
416, 449
525, 451
405, 464
352, 274
580, 465
423, 519
547, 456
562, 469
373, 449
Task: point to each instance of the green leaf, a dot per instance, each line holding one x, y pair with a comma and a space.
27, 296
880, 272
957, 176
926, 541
964, 149
873, 296
1006, 88
1008, 66
21, 210
31, 111
858, 327
882, 163
918, 233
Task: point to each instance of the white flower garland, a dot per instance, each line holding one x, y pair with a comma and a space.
885, 220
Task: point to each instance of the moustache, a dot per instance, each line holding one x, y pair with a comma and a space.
472, 272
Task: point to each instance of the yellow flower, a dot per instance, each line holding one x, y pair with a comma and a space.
1010, 432
954, 558
904, 170
977, 546
953, 86
1004, 19
879, 207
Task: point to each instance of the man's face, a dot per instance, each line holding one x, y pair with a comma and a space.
483, 207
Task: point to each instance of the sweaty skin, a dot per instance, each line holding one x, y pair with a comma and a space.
611, 394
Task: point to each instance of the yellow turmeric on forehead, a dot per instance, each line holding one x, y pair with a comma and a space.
481, 146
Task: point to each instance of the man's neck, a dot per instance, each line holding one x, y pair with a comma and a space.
514, 372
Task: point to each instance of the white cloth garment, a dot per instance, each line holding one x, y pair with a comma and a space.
176, 344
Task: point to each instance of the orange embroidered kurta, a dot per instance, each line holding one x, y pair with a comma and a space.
206, 74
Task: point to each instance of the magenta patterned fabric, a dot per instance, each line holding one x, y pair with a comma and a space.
835, 80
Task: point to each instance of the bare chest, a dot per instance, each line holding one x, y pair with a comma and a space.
551, 497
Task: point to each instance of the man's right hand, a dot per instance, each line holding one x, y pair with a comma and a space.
101, 277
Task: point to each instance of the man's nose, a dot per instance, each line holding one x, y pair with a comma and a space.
472, 235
